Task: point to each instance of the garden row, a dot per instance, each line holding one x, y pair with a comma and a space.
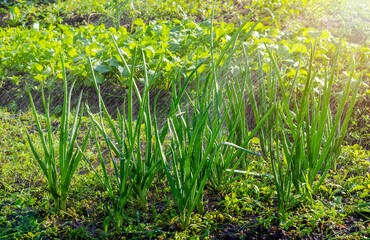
249, 143
31, 56
208, 140
178, 45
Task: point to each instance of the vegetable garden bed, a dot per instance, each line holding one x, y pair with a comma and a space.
196, 120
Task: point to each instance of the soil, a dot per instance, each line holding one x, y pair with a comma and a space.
249, 229
16, 98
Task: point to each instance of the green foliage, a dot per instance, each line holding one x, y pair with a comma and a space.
39, 56
138, 165
113, 9
196, 139
176, 45
191, 160
59, 173
221, 72
304, 138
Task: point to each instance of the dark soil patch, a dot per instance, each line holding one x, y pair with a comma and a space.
3, 16
7, 3
15, 98
96, 19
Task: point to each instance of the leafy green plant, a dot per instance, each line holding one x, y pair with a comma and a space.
19, 13
15, 16
114, 9
59, 170
176, 44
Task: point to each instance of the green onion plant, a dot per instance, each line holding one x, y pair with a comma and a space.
303, 138
228, 94
138, 158
59, 169
192, 150
197, 135
317, 132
